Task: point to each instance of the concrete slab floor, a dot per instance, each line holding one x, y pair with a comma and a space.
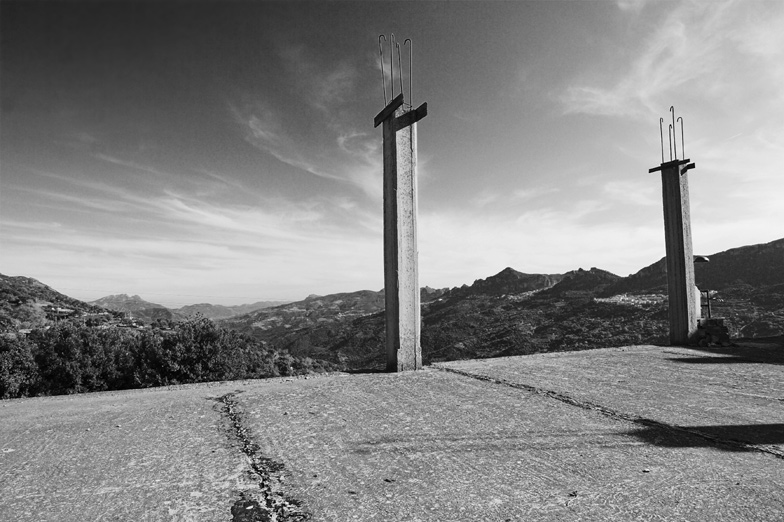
159, 454
590, 435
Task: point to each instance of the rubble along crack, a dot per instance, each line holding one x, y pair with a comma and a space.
269, 504
588, 405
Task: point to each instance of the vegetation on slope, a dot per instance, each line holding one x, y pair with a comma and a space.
578, 312
511, 313
480, 321
72, 358
26, 302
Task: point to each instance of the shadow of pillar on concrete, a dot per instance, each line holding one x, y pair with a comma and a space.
740, 437
720, 360
761, 351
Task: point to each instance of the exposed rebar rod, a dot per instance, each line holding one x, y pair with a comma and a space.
410, 58
674, 140
683, 146
381, 61
392, 62
399, 66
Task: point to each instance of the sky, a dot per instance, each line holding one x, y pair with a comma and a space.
225, 152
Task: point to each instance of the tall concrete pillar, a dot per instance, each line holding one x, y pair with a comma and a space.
401, 267
683, 298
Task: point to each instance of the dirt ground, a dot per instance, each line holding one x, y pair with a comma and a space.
635, 433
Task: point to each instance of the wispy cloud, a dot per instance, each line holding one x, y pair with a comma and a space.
495, 198
341, 154
631, 5
534, 193
330, 142
284, 246
190, 215
641, 193
689, 43
265, 134
323, 85
130, 164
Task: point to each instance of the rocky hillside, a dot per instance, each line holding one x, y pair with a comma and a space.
505, 314
28, 303
515, 313
483, 321
581, 282
510, 281
319, 310
125, 303
310, 312
746, 286
137, 308
756, 265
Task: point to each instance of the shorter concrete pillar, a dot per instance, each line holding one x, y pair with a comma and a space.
683, 298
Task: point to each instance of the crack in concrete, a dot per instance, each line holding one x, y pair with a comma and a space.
268, 504
588, 405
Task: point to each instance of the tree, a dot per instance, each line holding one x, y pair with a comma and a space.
18, 372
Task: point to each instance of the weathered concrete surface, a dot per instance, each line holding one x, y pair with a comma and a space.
593, 435
435, 445
401, 256
161, 454
733, 394
683, 300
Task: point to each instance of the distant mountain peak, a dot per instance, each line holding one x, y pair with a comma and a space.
511, 281
125, 303
593, 272
591, 281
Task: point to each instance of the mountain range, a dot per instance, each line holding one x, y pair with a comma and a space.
505, 314
152, 312
28, 303
514, 313
758, 266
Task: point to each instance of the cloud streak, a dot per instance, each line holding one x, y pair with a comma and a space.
689, 44
348, 157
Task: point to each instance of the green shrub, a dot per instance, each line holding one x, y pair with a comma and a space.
18, 371
73, 358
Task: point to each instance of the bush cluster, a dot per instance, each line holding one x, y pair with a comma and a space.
74, 358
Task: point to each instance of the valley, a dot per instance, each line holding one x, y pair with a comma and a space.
509, 313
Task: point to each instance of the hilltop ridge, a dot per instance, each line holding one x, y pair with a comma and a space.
136, 307
151, 312
508, 313
513, 313
510, 281
755, 265
26, 303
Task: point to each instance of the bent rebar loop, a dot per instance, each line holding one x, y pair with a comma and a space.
674, 138
399, 67
410, 58
392, 62
381, 62
661, 136
669, 135
683, 146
